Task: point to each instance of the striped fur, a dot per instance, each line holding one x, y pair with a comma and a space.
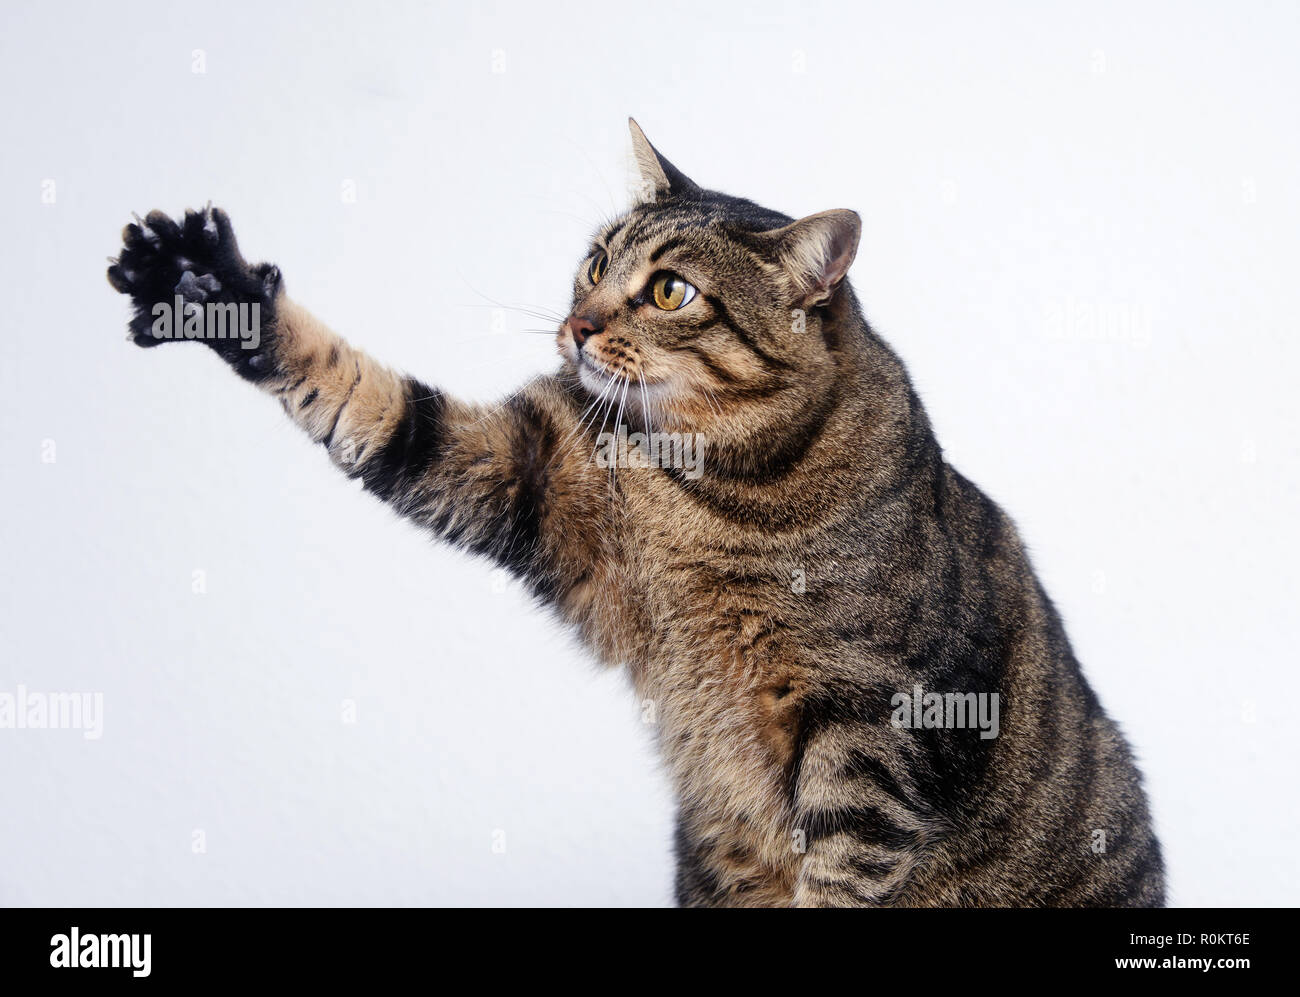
827, 560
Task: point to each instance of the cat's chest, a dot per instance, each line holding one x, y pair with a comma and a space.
719, 679
718, 670
699, 580
720, 648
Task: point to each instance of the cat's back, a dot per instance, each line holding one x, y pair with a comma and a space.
1052, 812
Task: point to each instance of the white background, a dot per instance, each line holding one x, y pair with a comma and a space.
1079, 231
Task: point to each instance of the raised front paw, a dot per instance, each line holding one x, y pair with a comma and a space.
189, 281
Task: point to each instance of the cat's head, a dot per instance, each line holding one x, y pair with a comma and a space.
695, 301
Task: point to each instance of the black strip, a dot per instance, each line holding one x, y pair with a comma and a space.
673, 243
861, 764
872, 869
711, 365
329, 437
608, 235
781, 457
412, 447
516, 545
725, 318
863, 822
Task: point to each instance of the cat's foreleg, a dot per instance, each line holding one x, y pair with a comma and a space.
492, 479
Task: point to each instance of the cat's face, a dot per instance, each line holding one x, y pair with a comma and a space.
694, 300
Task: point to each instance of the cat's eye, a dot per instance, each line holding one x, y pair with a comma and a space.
670, 292
598, 264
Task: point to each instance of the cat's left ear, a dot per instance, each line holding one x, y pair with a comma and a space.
816, 252
659, 178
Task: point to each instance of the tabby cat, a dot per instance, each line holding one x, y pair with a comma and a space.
862, 693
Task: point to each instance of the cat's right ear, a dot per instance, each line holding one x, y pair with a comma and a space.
816, 252
659, 178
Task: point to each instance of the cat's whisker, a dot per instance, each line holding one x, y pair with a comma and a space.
494, 357
497, 303
503, 403
609, 383
532, 311
603, 182
538, 314
618, 421
602, 412
546, 314
580, 426
645, 401
583, 424
712, 400
608, 411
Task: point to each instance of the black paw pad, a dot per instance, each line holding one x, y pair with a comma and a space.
196, 290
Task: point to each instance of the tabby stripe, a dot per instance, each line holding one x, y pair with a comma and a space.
755, 393
841, 892
863, 765
873, 869
634, 227
612, 231
736, 510
412, 447
711, 365
673, 243
1082, 775
864, 822
329, 437
731, 325
781, 460
518, 545
1148, 865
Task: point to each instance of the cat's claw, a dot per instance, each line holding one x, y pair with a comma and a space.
210, 231
197, 259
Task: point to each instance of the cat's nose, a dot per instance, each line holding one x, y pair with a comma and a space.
581, 327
